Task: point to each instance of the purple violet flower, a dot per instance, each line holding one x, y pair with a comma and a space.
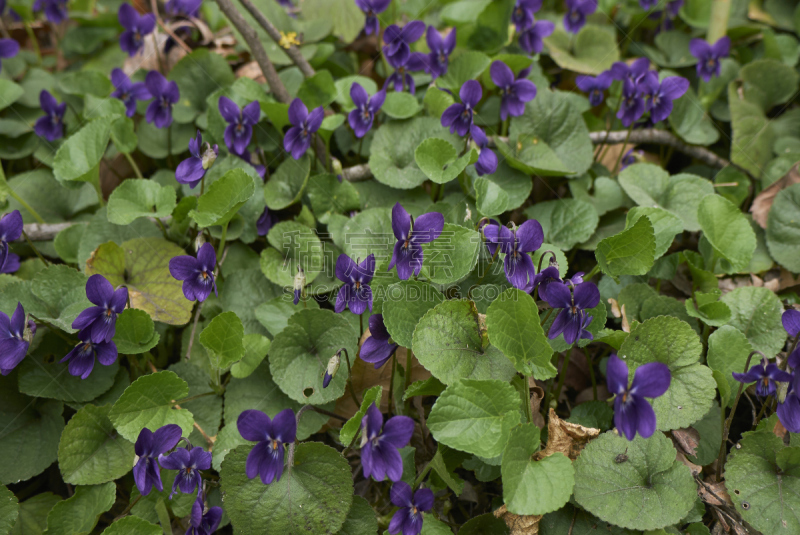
298, 137
522, 16
51, 126
149, 446
240, 123
708, 56
577, 11
192, 170
378, 348
410, 234
630, 158
635, 71
13, 346
356, 292
765, 375
363, 115
379, 455
8, 49
265, 222
10, 230
127, 91
632, 412
459, 116
99, 323
165, 94
487, 159
408, 519
371, 8
11, 265
789, 410
594, 87
81, 358
54, 10
531, 40
188, 463
790, 319
136, 27
438, 59
632, 106
401, 78
197, 274
203, 524
516, 244
514, 91
572, 320
659, 95
647, 5
266, 457
398, 39
183, 8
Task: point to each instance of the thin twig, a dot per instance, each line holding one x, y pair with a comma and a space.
292, 51
209, 440
250, 37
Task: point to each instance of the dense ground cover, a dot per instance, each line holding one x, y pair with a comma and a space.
405, 266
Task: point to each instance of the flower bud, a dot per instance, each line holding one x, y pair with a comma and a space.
299, 284
199, 241
209, 155
336, 167
30, 330
330, 372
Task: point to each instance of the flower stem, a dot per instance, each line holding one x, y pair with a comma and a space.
34, 42
35, 250
391, 386
562, 375
546, 317
422, 475
622, 150
350, 377
727, 426
222, 240
134, 166
22, 203
592, 273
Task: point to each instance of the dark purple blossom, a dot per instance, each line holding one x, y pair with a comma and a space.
531, 40
183, 8
128, 92
371, 8
765, 375
200, 523
188, 463
81, 358
514, 91
487, 159
401, 78
266, 457
298, 137
516, 244
459, 116
438, 59
594, 86
398, 39
547, 277
572, 320
632, 412
410, 234
265, 222
659, 95
197, 274
356, 292
240, 123
708, 56
333, 363
149, 446
379, 444
51, 126
635, 71
647, 5
522, 16
790, 320
192, 170
378, 348
165, 94
10, 230
54, 10
789, 409
630, 158
136, 27
363, 115
577, 11
632, 105
408, 519
13, 346
11, 265
99, 323
8, 49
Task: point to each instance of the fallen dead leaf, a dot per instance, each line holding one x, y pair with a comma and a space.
714, 493
251, 70
763, 201
537, 395
519, 524
686, 440
694, 468
566, 437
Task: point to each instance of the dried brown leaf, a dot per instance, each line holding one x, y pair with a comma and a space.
566, 437
686, 440
519, 524
763, 201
